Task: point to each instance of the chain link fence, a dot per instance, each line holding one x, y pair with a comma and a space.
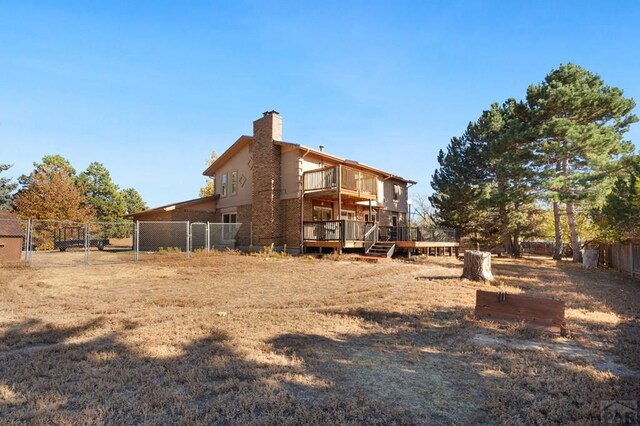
67, 243
110, 242
57, 243
155, 237
223, 235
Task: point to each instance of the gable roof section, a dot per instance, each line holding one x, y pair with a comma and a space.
228, 154
344, 161
174, 206
10, 225
244, 140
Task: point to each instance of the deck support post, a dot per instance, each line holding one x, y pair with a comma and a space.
301, 219
339, 180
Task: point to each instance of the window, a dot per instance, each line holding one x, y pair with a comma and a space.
397, 191
234, 182
223, 186
229, 217
229, 227
322, 213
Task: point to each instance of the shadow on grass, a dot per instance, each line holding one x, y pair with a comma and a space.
105, 380
403, 368
426, 362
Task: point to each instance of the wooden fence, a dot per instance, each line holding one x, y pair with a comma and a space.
624, 257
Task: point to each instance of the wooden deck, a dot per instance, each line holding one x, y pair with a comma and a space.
429, 248
334, 244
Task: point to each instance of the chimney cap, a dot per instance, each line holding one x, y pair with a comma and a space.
321, 148
273, 111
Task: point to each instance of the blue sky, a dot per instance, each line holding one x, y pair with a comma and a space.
151, 88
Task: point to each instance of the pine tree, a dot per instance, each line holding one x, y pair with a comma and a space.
6, 188
458, 195
102, 194
133, 201
580, 125
485, 185
619, 217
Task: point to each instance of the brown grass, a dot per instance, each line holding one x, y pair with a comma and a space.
304, 341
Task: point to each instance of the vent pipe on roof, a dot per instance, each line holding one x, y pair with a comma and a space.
321, 148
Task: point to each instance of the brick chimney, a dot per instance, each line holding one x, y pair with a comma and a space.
265, 155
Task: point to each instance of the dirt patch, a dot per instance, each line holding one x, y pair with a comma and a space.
305, 340
602, 361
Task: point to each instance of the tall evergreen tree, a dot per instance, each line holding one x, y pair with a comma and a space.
133, 201
458, 196
504, 134
6, 188
102, 194
580, 124
619, 217
485, 183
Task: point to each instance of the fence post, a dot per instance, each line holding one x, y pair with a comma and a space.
208, 238
27, 249
87, 243
136, 241
250, 234
618, 257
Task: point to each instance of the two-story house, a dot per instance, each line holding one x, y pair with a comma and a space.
295, 196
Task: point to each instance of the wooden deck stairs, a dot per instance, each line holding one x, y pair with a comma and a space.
381, 249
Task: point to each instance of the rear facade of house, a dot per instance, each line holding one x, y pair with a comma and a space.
293, 196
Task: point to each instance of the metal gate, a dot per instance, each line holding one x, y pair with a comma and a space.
199, 236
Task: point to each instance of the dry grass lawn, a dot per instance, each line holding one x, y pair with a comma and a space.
247, 339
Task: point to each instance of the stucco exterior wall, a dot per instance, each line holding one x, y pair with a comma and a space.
388, 191
291, 168
313, 162
241, 163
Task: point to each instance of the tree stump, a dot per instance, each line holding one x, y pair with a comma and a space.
590, 258
477, 265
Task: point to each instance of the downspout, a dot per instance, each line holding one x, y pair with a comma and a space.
301, 189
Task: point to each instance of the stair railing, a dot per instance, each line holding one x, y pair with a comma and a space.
370, 238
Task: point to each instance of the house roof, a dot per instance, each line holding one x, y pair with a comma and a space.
228, 154
10, 225
173, 206
344, 161
244, 140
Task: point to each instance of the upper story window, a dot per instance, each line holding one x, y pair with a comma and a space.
397, 192
223, 186
234, 182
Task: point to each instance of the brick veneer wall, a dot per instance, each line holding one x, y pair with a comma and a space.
291, 223
245, 216
265, 159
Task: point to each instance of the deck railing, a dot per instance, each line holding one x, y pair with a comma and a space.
363, 183
320, 180
336, 230
405, 233
355, 230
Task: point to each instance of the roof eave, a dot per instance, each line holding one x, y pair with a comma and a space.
227, 154
346, 161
